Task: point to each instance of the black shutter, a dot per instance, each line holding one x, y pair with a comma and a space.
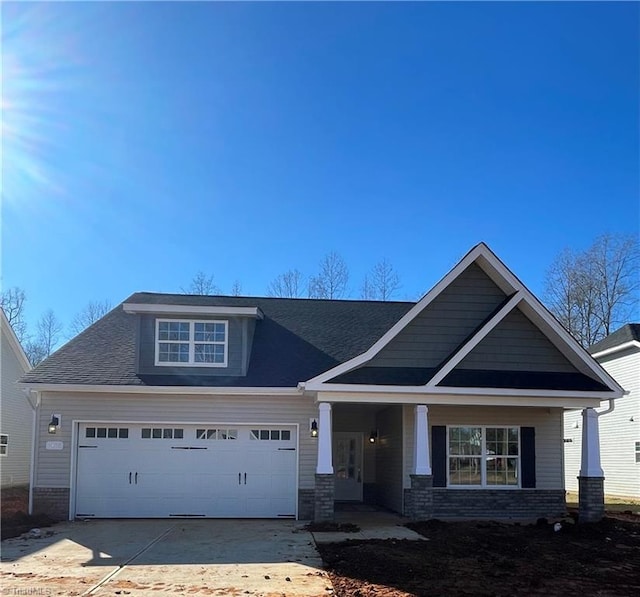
439, 455
528, 456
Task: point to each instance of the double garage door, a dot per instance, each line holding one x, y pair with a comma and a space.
175, 470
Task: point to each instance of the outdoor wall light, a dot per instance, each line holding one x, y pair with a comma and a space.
576, 425
54, 424
313, 428
373, 436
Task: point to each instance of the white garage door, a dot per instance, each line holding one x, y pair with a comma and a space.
174, 470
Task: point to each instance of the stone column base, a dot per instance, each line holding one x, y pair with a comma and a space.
418, 504
324, 498
590, 499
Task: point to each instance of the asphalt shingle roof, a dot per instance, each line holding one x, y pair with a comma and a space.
297, 340
627, 333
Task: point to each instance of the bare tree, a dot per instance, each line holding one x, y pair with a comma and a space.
12, 302
367, 291
35, 352
48, 331
384, 280
201, 284
595, 291
236, 289
331, 281
286, 285
90, 314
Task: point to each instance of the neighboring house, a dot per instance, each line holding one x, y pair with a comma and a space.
16, 416
218, 406
619, 354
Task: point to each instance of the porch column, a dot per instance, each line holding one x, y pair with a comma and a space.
325, 462
591, 476
324, 492
418, 503
422, 459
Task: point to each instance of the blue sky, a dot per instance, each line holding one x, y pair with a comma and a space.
145, 142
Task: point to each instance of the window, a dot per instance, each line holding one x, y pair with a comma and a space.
484, 456
107, 432
4, 444
271, 434
216, 434
161, 433
198, 343
637, 451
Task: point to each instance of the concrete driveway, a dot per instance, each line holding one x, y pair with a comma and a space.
153, 557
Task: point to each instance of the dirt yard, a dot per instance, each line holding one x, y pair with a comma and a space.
489, 558
14, 517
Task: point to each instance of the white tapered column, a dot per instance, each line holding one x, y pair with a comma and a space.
422, 459
325, 462
590, 463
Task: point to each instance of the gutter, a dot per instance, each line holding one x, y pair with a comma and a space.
32, 472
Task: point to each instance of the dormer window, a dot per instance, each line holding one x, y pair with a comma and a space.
191, 343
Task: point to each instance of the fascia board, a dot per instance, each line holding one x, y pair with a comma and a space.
614, 349
436, 390
163, 390
444, 399
511, 304
146, 308
407, 318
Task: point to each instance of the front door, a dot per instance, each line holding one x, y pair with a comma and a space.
347, 466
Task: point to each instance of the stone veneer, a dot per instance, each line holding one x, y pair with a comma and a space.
418, 501
52, 501
323, 499
590, 499
306, 503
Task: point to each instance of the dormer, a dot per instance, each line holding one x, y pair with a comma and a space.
203, 340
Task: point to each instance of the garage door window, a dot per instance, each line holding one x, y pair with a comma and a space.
216, 434
161, 433
271, 434
107, 432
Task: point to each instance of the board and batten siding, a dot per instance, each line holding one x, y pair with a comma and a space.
16, 418
547, 423
443, 324
618, 432
53, 467
516, 344
389, 458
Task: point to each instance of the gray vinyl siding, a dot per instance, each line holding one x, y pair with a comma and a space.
16, 419
240, 333
389, 458
53, 467
618, 432
548, 429
444, 323
516, 344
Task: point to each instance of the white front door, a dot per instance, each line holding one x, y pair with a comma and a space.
174, 470
347, 466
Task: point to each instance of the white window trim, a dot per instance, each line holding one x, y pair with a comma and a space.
483, 458
191, 362
6, 445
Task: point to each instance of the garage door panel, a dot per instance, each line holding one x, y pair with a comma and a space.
185, 470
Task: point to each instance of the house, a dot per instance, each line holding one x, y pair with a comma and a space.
619, 355
16, 415
217, 406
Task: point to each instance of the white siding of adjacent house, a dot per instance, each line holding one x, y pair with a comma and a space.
618, 432
547, 423
16, 418
54, 467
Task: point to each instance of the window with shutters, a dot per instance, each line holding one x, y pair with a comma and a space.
483, 456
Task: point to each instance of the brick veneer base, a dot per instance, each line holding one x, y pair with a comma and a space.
306, 503
52, 501
418, 501
590, 499
324, 495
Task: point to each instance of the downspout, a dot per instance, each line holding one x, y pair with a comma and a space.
32, 473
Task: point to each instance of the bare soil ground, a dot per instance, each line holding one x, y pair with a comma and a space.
15, 520
490, 558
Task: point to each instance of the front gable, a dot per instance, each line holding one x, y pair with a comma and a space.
479, 329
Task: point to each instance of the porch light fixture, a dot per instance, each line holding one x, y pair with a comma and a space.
373, 436
313, 428
54, 424
576, 425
